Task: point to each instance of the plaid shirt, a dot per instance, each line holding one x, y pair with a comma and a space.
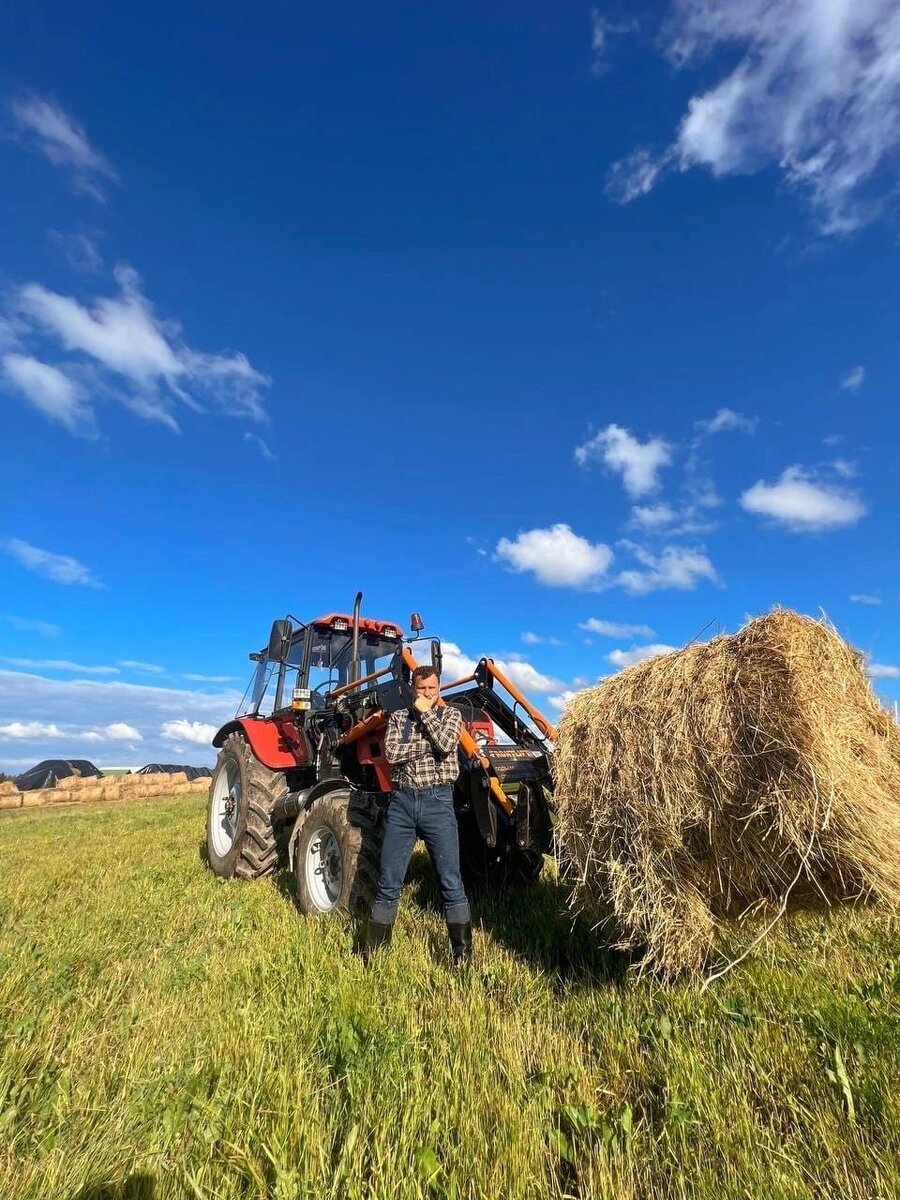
421, 747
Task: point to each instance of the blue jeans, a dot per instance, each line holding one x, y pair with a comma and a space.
427, 813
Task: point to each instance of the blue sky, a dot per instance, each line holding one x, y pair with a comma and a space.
573, 328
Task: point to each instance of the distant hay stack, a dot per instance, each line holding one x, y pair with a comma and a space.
757, 770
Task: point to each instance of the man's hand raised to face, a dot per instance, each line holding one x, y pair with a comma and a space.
426, 692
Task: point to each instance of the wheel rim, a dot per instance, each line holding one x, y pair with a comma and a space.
226, 807
323, 869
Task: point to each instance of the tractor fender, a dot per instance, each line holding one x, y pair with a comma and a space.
275, 743
305, 800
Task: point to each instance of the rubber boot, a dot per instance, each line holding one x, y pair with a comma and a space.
377, 935
461, 943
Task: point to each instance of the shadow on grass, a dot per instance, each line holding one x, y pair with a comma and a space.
134, 1187
534, 923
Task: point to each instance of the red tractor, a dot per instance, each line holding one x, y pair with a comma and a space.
302, 766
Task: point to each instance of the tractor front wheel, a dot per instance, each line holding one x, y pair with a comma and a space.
336, 851
240, 836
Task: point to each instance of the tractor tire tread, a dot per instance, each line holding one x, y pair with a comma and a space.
257, 849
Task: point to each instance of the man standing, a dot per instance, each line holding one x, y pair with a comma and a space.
421, 746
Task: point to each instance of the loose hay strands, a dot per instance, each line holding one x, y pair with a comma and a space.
755, 772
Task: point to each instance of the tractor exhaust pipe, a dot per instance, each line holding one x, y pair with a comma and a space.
354, 653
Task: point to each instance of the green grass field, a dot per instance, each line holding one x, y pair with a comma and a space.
167, 1034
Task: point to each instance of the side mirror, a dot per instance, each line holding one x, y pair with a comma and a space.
279, 641
416, 623
437, 657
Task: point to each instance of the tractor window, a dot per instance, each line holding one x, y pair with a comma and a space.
265, 679
293, 669
328, 658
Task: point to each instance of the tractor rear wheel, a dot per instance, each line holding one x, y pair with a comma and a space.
240, 836
336, 853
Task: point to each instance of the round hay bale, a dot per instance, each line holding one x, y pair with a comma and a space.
757, 770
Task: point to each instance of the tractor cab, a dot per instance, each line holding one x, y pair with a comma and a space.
304, 664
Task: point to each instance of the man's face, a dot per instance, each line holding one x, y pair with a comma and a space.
428, 688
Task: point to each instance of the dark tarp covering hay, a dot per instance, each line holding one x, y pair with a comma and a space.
755, 771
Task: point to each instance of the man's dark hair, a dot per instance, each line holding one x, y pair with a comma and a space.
424, 673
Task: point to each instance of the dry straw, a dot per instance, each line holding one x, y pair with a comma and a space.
755, 772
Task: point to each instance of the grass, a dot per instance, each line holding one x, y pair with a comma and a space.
166, 1034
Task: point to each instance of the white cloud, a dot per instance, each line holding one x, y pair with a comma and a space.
119, 731
813, 88
51, 392
58, 567
863, 598
526, 677
51, 131
188, 731
34, 702
457, 664
80, 251
727, 421
58, 664
139, 358
802, 505
676, 567
540, 639
882, 671
635, 175
639, 463
261, 445
559, 702
853, 380
845, 468
637, 654
209, 678
146, 668
30, 729
615, 629
557, 556
30, 625
652, 516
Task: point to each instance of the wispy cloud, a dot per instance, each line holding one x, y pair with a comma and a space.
864, 598
854, 379
801, 504
45, 127
726, 420
51, 392
261, 445
209, 678
59, 664
58, 567
145, 668
637, 462
80, 251
812, 88
30, 625
540, 639
615, 629
882, 671
136, 357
